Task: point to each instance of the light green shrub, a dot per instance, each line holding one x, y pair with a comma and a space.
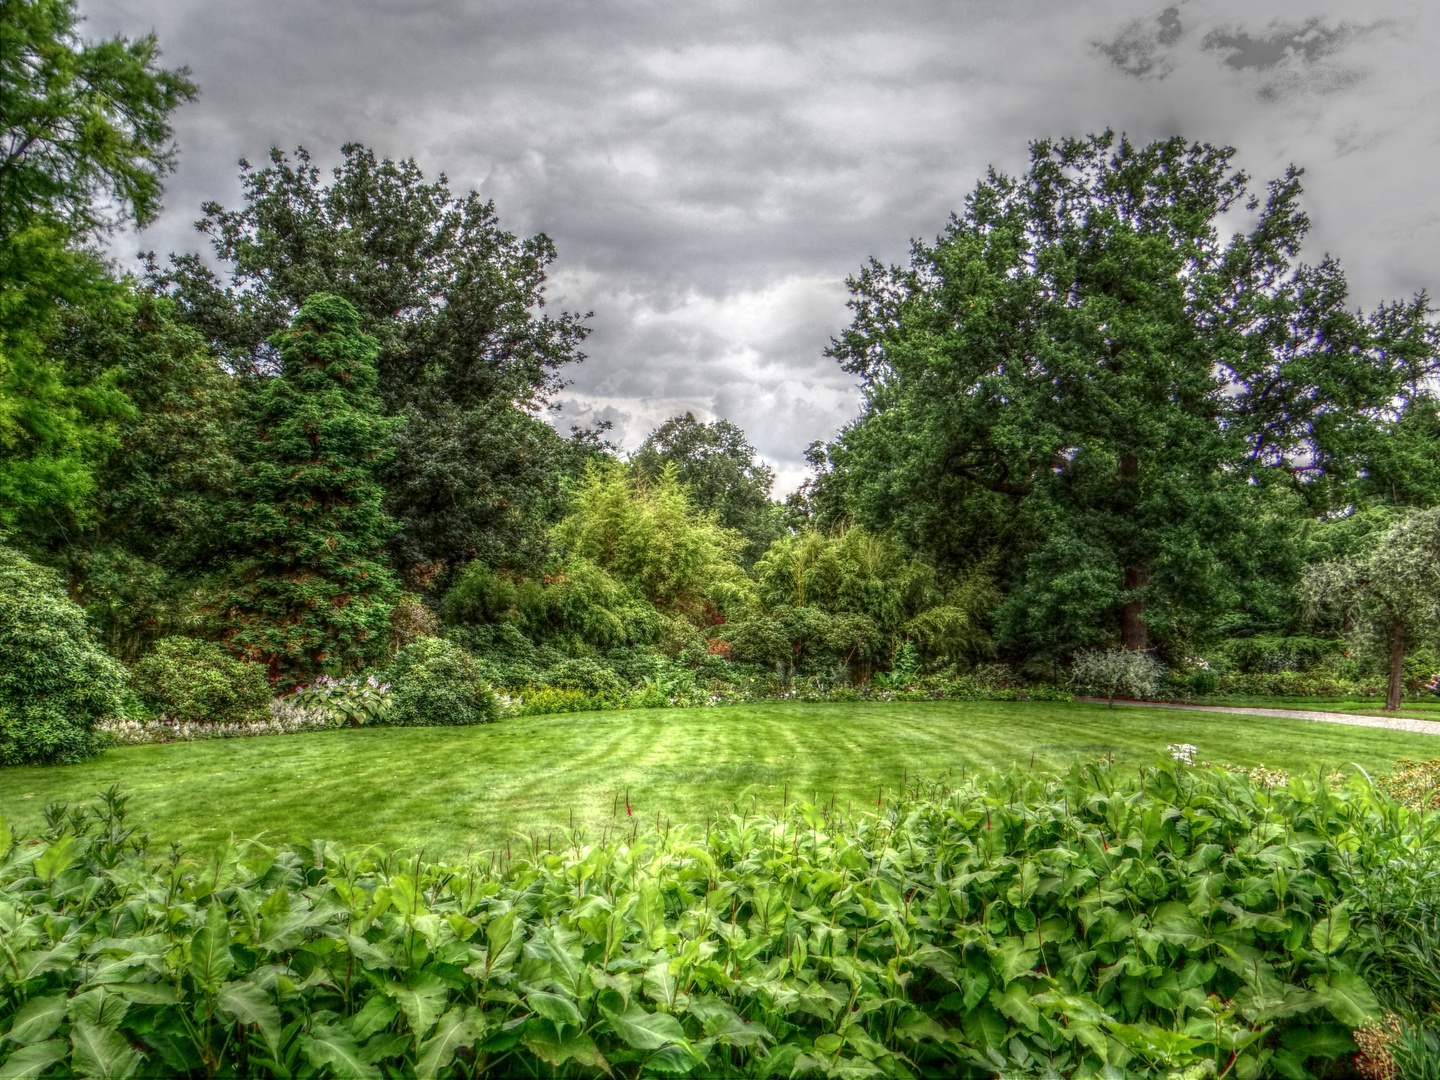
434, 681
55, 681
199, 682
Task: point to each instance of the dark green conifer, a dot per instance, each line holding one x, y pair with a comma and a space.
311, 592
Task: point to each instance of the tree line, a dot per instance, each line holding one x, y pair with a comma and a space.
1108, 406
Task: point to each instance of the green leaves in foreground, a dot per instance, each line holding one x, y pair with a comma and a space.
1174, 922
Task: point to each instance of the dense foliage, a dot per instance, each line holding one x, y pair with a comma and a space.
1131, 406
1022, 925
464, 355
435, 682
55, 680
198, 681
85, 146
721, 472
312, 591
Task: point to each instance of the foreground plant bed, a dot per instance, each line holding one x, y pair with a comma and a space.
1096, 924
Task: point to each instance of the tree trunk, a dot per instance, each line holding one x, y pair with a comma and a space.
1396, 688
1134, 634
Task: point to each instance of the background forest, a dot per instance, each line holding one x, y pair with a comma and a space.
1116, 434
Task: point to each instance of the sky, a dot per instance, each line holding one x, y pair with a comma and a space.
711, 171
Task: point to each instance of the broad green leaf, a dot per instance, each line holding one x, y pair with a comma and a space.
30, 1061
1014, 959
387, 1044
553, 1007
542, 1040
1015, 1003
36, 1020
33, 962
377, 1013
99, 1006
660, 985
422, 1003
650, 914
503, 939
330, 1045
145, 993
1348, 998
101, 1051
1324, 1040
406, 896
277, 903
1331, 932
645, 1030
55, 859
249, 1004
210, 959
6, 837
457, 1028
673, 1059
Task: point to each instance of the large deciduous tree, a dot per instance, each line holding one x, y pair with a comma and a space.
466, 360
1101, 373
312, 593
1388, 593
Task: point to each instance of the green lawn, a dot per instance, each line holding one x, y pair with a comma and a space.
452, 788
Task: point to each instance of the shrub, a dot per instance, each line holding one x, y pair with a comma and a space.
434, 681
1105, 923
1118, 672
55, 681
199, 682
544, 700
584, 674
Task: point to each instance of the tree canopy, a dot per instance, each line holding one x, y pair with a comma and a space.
85, 147
1388, 592
721, 472
1105, 372
465, 356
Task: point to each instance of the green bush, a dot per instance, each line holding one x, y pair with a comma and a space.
544, 700
1297, 684
199, 682
1105, 923
434, 681
584, 674
55, 681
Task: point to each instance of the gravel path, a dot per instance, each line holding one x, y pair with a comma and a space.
1394, 723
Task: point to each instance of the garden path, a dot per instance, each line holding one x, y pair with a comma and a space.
1394, 723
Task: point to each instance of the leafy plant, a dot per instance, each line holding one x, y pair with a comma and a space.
1118, 672
55, 681
1175, 921
199, 682
434, 681
352, 702
903, 670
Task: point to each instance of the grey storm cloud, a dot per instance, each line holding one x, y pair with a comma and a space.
711, 171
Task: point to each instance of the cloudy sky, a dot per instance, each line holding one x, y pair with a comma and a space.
712, 170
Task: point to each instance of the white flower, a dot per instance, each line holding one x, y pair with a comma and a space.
1183, 752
